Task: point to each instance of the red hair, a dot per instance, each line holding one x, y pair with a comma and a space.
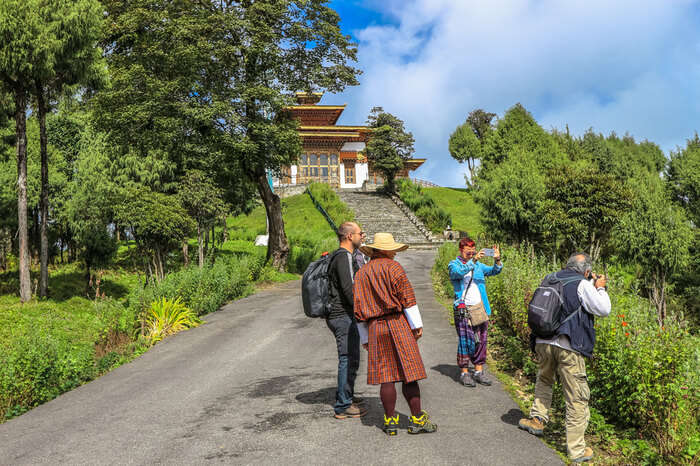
466, 243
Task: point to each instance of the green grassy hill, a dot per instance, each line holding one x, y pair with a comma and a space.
461, 206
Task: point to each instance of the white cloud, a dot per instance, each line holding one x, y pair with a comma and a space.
624, 66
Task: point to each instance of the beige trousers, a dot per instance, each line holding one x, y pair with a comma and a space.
571, 368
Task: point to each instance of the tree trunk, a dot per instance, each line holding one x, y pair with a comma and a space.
390, 183
186, 253
471, 163
277, 244
25, 284
206, 241
658, 296
200, 246
44, 202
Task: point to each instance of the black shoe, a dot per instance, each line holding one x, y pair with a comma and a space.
466, 380
480, 377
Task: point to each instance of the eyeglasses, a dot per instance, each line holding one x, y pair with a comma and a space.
361, 233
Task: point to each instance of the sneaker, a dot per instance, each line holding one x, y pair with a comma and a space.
352, 411
480, 377
587, 456
466, 380
535, 425
422, 424
391, 425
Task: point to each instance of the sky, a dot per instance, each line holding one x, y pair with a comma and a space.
624, 66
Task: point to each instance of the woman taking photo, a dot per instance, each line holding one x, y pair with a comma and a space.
471, 308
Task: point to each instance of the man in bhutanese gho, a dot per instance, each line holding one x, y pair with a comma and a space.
390, 325
564, 354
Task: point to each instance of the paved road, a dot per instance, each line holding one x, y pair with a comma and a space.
254, 385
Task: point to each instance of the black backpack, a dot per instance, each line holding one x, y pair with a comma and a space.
315, 287
545, 313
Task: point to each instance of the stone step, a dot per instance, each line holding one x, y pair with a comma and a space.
377, 212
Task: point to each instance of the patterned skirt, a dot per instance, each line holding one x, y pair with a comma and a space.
393, 351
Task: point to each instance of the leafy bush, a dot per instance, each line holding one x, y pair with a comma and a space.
641, 376
49, 348
419, 201
167, 317
203, 290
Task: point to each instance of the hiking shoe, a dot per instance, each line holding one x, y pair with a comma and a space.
391, 425
422, 424
352, 411
466, 380
535, 425
480, 377
587, 456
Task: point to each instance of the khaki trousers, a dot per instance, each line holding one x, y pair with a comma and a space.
571, 368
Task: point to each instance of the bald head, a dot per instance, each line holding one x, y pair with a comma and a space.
347, 229
580, 262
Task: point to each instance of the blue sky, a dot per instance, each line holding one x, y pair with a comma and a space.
625, 66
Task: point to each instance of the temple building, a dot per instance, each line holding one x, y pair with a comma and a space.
331, 153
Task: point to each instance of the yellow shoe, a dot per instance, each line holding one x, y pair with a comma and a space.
421, 425
391, 425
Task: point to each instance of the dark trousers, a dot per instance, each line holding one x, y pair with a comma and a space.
347, 340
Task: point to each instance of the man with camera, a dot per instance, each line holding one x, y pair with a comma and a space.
584, 297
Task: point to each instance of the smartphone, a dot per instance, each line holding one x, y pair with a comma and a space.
488, 252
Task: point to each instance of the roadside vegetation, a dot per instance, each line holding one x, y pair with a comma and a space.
52, 345
545, 195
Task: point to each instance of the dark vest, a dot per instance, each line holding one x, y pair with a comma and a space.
579, 328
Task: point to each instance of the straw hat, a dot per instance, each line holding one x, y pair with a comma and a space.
383, 242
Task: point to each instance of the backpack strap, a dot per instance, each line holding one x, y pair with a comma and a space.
335, 254
466, 288
565, 282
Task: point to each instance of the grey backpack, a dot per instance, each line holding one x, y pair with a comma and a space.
545, 313
315, 287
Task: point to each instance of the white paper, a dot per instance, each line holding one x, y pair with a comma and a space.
413, 316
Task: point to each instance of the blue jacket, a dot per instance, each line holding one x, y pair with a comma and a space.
459, 269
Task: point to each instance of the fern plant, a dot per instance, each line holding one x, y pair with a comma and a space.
166, 317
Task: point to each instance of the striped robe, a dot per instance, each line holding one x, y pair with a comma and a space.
381, 293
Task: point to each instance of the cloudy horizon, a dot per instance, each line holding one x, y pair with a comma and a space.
628, 67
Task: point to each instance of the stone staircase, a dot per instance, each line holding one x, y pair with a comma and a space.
377, 212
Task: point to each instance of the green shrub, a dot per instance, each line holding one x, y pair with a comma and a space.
641, 376
167, 317
419, 201
203, 290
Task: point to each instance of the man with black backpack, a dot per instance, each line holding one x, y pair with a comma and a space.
561, 317
341, 319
